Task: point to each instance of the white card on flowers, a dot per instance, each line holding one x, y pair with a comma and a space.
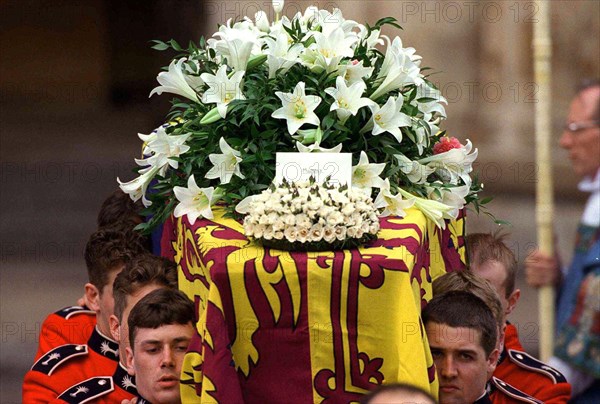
296, 167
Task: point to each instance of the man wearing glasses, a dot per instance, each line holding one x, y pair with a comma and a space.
577, 352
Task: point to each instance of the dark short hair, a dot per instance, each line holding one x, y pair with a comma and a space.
107, 249
160, 307
119, 209
463, 310
145, 269
484, 247
397, 388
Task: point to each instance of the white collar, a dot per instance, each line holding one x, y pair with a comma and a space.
590, 184
591, 212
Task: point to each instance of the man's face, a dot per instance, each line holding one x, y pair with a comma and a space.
156, 361
583, 145
461, 363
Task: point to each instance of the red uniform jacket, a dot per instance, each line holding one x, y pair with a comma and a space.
529, 375
501, 392
101, 390
71, 325
66, 365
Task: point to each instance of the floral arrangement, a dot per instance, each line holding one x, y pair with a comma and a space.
310, 216
311, 83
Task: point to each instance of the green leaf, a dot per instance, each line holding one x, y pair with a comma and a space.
486, 200
159, 45
387, 20
502, 222
175, 45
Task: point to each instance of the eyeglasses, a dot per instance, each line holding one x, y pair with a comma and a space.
577, 126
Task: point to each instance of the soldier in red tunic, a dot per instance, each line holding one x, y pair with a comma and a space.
142, 275
490, 258
501, 389
72, 361
74, 324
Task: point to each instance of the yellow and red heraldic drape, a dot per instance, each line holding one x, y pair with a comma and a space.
279, 326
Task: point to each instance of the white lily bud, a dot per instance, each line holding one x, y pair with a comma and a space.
278, 6
262, 21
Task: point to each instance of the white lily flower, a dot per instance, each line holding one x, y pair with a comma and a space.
193, 201
393, 204
311, 14
397, 71
373, 39
412, 54
163, 148
454, 197
400, 75
315, 148
389, 118
434, 210
354, 71
454, 163
309, 59
137, 187
328, 50
327, 22
393, 53
174, 81
237, 43
298, 108
225, 165
280, 55
222, 90
433, 101
149, 138
191, 77
348, 100
365, 175
416, 172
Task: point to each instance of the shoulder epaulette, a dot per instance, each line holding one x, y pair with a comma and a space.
70, 311
59, 355
88, 390
514, 392
524, 360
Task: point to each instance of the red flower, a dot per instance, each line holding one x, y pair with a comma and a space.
445, 144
